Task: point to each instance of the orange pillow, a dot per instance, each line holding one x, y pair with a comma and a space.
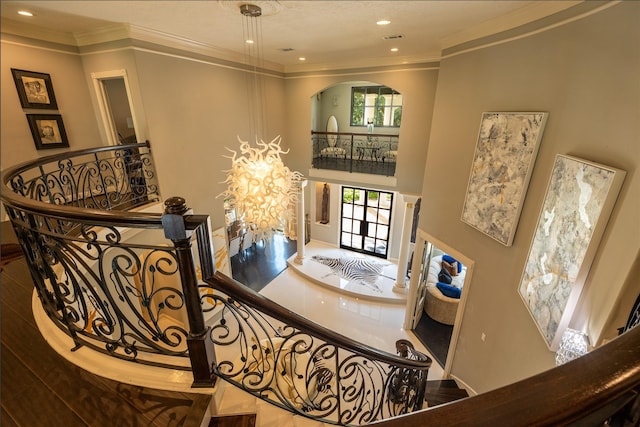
451, 267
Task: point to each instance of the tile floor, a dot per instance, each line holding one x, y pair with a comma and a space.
375, 323
351, 273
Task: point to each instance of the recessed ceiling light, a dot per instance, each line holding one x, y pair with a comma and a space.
383, 22
394, 49
25, 13
302, 58
249, 41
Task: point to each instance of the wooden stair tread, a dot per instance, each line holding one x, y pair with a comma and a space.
239, 420
439, 392
10, 252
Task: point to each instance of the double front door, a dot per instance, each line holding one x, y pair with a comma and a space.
365, 220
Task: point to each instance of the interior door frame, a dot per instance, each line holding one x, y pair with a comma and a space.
98, 78
417, 282
422, 235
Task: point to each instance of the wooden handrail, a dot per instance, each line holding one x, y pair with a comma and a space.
314, 132
585, 391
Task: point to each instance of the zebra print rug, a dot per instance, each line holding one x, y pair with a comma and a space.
360, 270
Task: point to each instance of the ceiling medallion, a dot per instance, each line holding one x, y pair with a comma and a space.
266, 7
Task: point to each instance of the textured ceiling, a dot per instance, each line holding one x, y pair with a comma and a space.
327, 33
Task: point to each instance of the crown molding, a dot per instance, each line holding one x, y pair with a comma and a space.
100, 35
529, 20
517, 18
134, 32
10, 26
363, 63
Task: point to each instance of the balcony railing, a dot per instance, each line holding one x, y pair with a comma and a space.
355, 152
127, 283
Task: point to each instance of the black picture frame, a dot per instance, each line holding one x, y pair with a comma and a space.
47, 131
35, 90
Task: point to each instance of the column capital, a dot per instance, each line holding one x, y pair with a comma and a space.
410, 198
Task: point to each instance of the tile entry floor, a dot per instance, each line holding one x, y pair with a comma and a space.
375, 323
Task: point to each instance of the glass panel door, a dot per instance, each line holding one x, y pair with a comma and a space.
366, 217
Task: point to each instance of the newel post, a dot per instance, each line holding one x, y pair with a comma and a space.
201, 351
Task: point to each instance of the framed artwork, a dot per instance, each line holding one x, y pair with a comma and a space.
47, 131
579, 199
35, 90
505, 152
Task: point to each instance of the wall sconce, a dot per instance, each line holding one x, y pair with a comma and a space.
573, 344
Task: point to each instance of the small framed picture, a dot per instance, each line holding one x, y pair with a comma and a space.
34, 89
47, 131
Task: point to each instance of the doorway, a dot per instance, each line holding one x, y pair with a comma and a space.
434, 317
114, 102
365, 221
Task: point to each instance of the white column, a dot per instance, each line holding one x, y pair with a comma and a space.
300, 224
405, 241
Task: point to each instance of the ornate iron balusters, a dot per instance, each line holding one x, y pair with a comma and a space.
201, 350
305, 372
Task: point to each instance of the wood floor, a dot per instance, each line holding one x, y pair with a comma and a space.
40, 388
435, 336
260, 264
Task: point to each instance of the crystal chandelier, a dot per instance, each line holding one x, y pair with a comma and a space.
264, 190
261, 188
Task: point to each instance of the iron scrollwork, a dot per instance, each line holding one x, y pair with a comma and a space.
304, 374
114, 285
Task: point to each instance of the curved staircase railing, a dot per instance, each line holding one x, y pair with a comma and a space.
84, 251
122, 278
280, 356
123, 281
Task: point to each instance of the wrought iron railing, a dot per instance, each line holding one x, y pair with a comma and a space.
355, 152
102, 273
282, 357
128, 283
106, 274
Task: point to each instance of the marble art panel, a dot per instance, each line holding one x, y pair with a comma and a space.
578, 201
505, 152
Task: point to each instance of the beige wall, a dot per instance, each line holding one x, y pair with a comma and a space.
336, 101
418, 89
72, 95
111, 61
195, 111
585, 74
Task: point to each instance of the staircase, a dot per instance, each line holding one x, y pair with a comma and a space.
233, 407
439, 392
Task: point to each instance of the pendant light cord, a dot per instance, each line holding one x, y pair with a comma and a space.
254, 55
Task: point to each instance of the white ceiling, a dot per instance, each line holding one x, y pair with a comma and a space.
330, 34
